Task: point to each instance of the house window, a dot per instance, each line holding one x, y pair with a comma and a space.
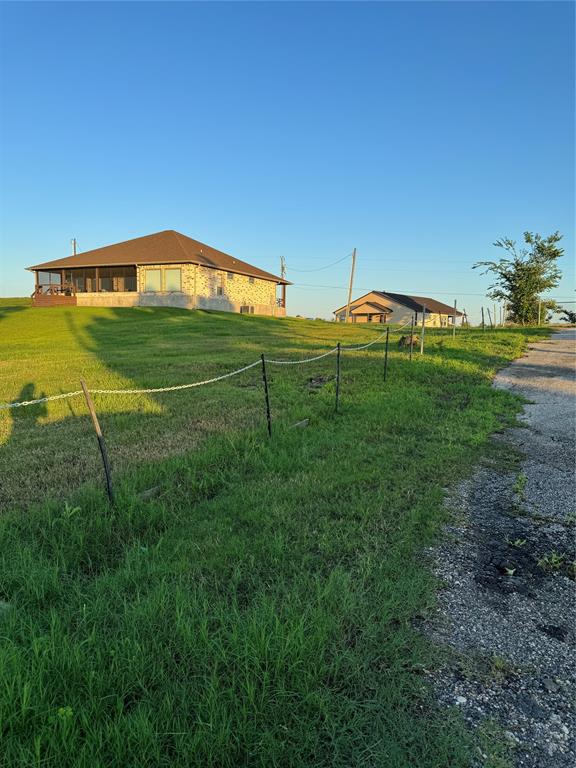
230, 275
153, 280
250, 279
220, 287
172, 279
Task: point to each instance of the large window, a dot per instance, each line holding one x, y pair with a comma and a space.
172, 279
153, 280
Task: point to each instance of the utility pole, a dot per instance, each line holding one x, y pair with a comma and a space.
350, 285
539, 309
74, 245
282, 267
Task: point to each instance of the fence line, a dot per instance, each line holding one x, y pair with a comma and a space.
172, 389
300, 362
154, 390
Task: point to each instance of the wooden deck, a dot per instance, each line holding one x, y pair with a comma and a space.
53, 300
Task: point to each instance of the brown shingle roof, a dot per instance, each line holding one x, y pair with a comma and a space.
415, 303
167, 247
378, 308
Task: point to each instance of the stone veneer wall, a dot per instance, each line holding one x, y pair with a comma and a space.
105, 299
199, 290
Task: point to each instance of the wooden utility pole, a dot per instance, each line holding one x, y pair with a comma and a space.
282, 267
74, 245
423, 328
539, 309
483, 324
351, 284
454, 321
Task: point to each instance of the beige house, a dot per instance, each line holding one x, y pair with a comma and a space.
380, 307
165, 269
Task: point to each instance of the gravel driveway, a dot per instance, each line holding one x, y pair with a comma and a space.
507, 614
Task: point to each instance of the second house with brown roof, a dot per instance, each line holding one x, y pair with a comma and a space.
164, 269
380, 307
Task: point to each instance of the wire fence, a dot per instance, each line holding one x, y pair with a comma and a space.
177, 387
263, 361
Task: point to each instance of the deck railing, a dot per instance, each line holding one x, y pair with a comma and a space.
54, 289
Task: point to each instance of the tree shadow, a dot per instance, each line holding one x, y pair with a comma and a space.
149, 347
7, 310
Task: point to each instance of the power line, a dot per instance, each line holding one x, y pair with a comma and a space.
318, 269
411, 293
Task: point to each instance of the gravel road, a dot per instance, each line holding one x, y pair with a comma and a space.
507, 612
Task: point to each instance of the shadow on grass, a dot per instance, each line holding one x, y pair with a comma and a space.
158, 347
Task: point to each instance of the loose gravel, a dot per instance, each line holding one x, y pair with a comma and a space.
507, 612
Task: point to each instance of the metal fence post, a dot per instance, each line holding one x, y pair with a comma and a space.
266, 395
337, 377
386, 353
423, 329
100, 438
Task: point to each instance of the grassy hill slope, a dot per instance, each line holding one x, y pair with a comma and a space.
256, 607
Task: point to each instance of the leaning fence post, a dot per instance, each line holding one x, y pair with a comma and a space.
386, 353
337, 377
483, 324
412, 337
101, 443
266, 395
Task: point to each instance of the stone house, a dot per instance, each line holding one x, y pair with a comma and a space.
166, 269
380, 307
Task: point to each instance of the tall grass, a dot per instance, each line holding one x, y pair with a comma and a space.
257, 607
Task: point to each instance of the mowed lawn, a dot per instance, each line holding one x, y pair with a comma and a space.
246, 601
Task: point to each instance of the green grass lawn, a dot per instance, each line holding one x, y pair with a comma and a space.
257, 607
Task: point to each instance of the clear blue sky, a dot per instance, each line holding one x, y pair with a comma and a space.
416, 132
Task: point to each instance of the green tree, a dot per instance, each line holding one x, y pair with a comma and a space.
524, 274
568, 316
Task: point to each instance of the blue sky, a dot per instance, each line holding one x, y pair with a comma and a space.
416, 132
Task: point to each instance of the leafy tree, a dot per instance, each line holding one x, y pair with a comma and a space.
568, 316
524, 274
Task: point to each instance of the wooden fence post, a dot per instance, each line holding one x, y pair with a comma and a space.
266, 395
100, 438
337, 378
454, 321
386, 353
412, 337
483, 325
